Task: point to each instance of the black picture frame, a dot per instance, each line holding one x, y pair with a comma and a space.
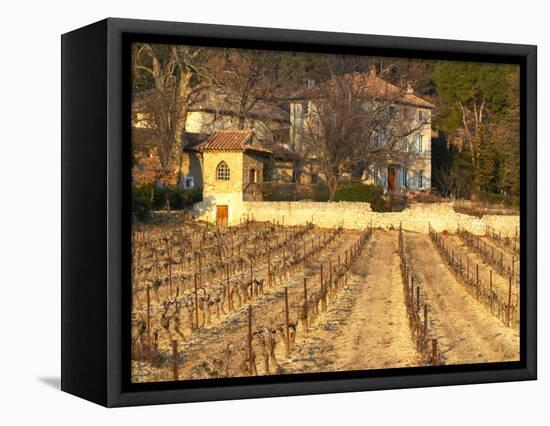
96, 216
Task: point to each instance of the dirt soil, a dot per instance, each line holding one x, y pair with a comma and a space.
268, 309
365, 326
507, 256
467, 333
500, 282
368, 326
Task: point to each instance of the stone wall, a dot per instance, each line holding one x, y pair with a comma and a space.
252, 161
234, 160
356, 215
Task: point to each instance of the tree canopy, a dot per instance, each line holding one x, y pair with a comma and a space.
478, 107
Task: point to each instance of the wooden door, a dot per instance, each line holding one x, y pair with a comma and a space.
222, 214
391, 179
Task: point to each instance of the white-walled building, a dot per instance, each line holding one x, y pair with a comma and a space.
412, 174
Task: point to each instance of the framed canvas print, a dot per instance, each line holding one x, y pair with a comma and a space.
252, 212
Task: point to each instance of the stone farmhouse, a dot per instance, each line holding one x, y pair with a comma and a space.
412, 175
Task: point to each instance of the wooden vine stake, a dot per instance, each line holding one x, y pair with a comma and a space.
435, 360
196, 302
411, 297
269, 267
287, 328
170, 274
252, 278
477, 282
509, 300
305, 305
330, 278
229, 301
156, 265
175, 372
323, 292
491, 289
200, 267
250, 354
148, 318
425, 330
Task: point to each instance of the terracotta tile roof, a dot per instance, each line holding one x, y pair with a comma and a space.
374, 87
231, 140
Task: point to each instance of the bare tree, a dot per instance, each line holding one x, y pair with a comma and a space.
356, 118
451, 182
248, 76
167, 79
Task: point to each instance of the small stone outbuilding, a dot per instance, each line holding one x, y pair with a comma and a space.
232, 167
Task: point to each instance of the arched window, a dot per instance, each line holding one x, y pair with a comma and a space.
222, 171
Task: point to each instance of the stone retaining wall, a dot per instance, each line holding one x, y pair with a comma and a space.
355, 215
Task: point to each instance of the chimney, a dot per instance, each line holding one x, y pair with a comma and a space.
310, 83
410, 89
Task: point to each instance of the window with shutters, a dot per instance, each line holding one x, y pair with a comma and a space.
421, 178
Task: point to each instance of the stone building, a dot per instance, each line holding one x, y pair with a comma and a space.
412, 175
217, 110
232, 163
212, 121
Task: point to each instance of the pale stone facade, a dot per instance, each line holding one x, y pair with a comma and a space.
208, 122
243, 164
413, 173
416, 174
221, 192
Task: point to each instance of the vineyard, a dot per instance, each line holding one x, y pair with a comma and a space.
263, 298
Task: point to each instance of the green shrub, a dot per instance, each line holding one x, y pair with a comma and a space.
176, 197
183, 198
154, 197
358, 191
159, 197
141, 202
193, 196
320, 192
